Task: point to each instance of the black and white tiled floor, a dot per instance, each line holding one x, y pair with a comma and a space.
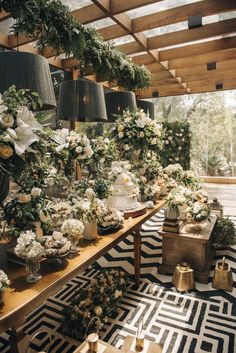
197, 322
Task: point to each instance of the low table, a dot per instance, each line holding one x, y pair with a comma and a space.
195, 249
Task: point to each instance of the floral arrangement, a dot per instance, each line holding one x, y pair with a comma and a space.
110, 217
100, 185
56, 244
176, 198
150, 167
4, 281
100, 299
173, 171
200, 196
191, 180
104, 153
176, 144
134, 130
79, 146
27, 207
61, 210
18, 128
72, 227
88, 209
149, 189
27, 246
198, 211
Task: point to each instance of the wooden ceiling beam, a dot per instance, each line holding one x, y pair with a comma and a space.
127, 5
198, 49
181, 13
202, 69
185, 36
212, 83
192, 61
212, 75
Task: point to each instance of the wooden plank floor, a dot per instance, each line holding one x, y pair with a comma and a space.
226, 194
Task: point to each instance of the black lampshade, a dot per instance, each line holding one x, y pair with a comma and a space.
148, 107
81, 100
116, 102
28, 71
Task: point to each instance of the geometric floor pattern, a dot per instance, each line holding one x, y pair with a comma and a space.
197, 322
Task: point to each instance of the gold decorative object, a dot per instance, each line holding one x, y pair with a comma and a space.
140, 337
216, 208
93, 338
223, 278
183, 278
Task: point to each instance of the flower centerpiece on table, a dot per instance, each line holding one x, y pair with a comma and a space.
4, 283
29, 209
73, 229
110, 220
191, 180
30, 249
100, 185
174, 171
198, 211
174, 200
135, 131
88, 210
104, 153
61, 210
149, 190
19, 129
101, 298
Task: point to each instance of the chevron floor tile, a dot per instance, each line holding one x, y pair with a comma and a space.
197, 322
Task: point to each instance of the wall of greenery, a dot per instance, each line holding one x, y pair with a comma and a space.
50, 23
177, 144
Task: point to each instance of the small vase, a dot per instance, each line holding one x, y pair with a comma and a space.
172, 213
74, 243
90, 230
33, 267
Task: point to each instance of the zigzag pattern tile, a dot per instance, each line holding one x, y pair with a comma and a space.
199, 322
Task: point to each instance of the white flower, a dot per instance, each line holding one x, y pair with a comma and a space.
117, 294
4, 281
179, 148
22, 137
44, 217
120, 135
167, 142
141, 134
78, 149
24, 198
154, 141
98, 310
6, 120
90, 194
106, 140
72, 227
35, 192
120, 128
25, 117
27, 246
3, 107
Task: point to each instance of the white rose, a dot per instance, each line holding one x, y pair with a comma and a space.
98, 310
6, 120
79, 149
154, 141
141, 134
166, 142
126, 147
120, 135
36, 192
120, 128
179, 148
44, 217
24, 198
106, 140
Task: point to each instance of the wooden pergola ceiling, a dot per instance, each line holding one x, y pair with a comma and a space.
177, 60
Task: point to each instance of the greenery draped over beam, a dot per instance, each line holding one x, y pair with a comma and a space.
51, 24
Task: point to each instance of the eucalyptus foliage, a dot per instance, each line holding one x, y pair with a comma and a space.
51, 24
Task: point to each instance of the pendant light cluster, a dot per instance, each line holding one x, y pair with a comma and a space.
79, 100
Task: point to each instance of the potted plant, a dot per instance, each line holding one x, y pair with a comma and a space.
224, 233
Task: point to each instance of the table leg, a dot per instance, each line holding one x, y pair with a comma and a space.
137, 256
13, 341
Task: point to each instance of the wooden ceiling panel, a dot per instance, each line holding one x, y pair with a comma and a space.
181, 13
118, 6
202, 69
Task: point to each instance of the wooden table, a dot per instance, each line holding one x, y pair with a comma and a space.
195, 249
22, 297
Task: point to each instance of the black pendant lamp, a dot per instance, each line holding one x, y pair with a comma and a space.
81, 100
116, 102
148, 108
27, 71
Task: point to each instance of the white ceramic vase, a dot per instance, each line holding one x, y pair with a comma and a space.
90, 230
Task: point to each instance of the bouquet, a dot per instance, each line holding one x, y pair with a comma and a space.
173, 171
100, 299
88, 209
134, 130
4, 281
110, 218
28, 247
72, 227
198, 211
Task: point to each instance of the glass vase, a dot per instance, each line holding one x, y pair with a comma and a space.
33, 267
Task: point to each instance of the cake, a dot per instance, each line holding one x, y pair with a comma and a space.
124, 192
56, 244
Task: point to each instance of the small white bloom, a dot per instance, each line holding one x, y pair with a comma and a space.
6, 120
120, 135
90, 194
120, 128
98, 310
141, 134
35, 192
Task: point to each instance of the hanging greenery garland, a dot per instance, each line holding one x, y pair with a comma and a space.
51, 24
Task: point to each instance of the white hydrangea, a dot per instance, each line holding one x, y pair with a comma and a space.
27, 246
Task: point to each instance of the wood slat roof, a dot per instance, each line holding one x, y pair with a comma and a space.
176, 56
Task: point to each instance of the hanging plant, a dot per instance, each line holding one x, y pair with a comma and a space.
51, 24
